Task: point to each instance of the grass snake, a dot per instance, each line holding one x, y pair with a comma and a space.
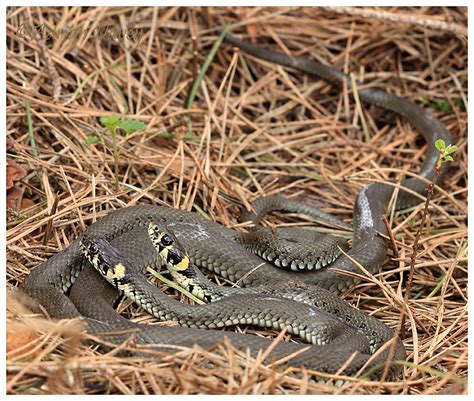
219, 249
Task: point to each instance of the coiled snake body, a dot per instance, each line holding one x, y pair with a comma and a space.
218, 249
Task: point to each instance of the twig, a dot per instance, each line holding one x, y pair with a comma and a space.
445, 152
390, 234
49, 227
401, 18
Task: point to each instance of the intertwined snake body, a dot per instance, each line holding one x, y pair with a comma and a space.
218, 249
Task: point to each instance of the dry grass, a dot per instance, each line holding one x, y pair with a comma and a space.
257, 129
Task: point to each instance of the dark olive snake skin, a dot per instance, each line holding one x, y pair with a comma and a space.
218, 249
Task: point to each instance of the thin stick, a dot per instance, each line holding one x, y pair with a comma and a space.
401, 18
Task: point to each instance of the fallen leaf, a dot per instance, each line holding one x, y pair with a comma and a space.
14, 197
14, 173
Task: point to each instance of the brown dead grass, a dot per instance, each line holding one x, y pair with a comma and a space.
258, 129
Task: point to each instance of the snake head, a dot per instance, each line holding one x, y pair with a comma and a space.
91, 248
163, 238
104, 257
159, 237
168, 248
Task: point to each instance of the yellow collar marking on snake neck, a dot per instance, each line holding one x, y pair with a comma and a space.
180, 266
117, 272
183, 264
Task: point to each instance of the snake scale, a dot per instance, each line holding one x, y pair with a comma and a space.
219, 249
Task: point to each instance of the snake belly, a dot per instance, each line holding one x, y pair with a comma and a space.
217, 248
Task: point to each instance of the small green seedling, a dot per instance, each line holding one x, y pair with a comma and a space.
113, 124
445, 155
445, 152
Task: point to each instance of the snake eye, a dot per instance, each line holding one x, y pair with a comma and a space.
93, 248
166, 240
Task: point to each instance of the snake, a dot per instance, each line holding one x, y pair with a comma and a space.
68, 285
260, 309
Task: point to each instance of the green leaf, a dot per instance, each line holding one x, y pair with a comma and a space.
449, 158
451, 149
444, 106
92, 139
440, 144
459, 104
110, 122
130, 126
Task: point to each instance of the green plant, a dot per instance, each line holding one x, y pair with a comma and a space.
445, 155
114, 125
